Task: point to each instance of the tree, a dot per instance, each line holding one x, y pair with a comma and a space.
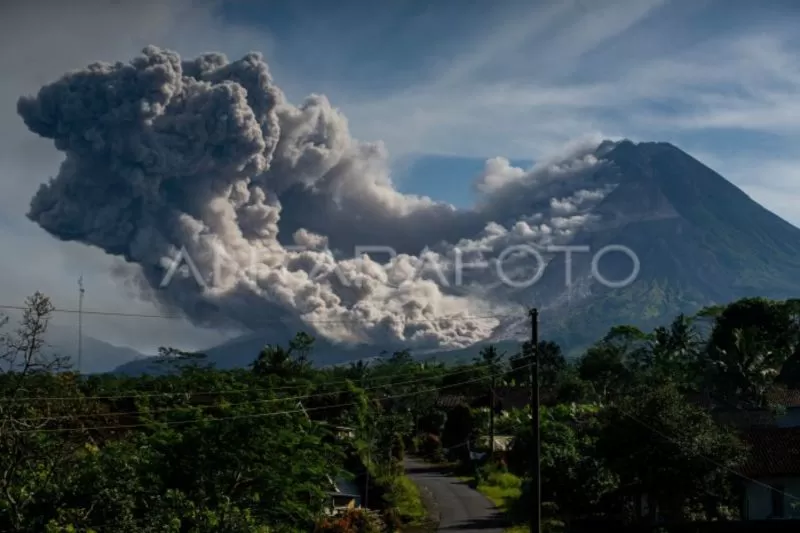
22, 352
153, 454
666, 448
741, 329
745, 368
674, 353
552, 364
574, 477
284, 362
400, 358
775, 323
490, 359
358, 371
28, 459
458, 430
604, 366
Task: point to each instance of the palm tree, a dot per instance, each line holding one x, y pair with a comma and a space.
674, 351
746, 366
358, 371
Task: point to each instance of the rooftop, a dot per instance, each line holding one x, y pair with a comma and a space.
773, 452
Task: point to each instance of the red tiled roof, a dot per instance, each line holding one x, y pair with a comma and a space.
773, 452
784, 397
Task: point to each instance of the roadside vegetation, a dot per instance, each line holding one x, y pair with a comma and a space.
263, 449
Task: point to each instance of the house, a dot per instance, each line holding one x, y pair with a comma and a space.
788, 401
344, 494
501, 442
772, 473
506, 399
449, 401
784, 411
342, 433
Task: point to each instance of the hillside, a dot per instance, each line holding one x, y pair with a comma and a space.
98, 356
700, 240
241, 351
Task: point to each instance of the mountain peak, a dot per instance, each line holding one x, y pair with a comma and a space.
698, 239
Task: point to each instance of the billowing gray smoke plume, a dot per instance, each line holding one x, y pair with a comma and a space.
269, 200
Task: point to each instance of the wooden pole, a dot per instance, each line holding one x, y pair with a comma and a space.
536, 473
81, 292
492, 402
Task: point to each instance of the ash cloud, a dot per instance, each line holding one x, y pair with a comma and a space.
207, 155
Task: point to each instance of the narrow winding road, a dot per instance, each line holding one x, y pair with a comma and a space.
459, 507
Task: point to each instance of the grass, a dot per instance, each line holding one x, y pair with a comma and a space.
401, 496
407, 501
501, 488
410, 506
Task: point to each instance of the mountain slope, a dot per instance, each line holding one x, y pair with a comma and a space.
242, 351
698, 238
97, 356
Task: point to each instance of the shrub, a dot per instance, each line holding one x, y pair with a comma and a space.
351, 521
431, 447
398, 447
432, 422
412, 444
504, 480
405, 499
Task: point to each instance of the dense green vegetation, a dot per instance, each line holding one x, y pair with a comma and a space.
201, 450
630, 418
255, 449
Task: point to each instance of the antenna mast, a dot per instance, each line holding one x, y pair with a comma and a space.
81, 291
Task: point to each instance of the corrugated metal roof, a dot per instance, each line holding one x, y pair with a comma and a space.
501, 442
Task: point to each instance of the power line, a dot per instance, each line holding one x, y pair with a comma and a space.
259, 511
701, 456
218, 392
250, 416
266, 321
238, 404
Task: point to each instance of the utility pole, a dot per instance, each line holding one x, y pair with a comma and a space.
369, 464
492, 403
536, 472
80, 322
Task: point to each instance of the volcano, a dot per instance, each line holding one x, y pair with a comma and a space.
697, 238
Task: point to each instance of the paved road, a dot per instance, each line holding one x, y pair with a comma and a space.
459, 507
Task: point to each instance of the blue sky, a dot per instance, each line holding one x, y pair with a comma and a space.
471, 80
444, 84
